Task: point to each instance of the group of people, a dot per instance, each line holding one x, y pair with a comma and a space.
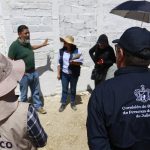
69, 61
118, 109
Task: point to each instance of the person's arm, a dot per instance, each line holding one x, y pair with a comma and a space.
35, 131
75, 63
96, 130
45, 43
92, 53
58, 72
11, 52
58, 67
108, 57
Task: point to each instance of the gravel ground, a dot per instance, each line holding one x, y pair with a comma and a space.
66, 130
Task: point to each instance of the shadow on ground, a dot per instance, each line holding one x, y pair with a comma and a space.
78, 100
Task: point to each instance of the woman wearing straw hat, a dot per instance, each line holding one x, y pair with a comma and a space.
20, 128
69, 61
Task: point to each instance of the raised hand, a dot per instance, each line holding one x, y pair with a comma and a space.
45, 43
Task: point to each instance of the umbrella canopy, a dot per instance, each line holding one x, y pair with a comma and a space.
137, 10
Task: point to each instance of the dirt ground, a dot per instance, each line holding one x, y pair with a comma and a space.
66, 130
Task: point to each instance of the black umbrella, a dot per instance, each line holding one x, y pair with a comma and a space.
137, 10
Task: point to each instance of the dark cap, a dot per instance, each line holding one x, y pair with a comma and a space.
134, 40
102, 39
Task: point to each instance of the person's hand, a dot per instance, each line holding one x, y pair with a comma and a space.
45, 43
100, 61
58, 76
71, 61
74, 63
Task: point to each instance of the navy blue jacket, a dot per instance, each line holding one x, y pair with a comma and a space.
74, 68
119, 112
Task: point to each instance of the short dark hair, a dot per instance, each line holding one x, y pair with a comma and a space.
132, 60
21, 28
73, 47
103, 39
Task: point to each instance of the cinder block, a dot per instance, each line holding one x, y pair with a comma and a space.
37, 12
66, 25
18, 21
40, 28
88, 2
71, 2
47, 20
30, 6
77, 9
16, 5
65, 9
91, 24
78, 25
16, 13
87, 17
35, 1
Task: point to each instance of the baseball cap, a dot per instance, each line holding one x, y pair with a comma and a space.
134, 40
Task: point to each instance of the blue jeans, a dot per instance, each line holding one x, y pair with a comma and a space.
66, 79
31, 80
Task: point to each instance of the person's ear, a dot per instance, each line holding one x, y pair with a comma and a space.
120, 54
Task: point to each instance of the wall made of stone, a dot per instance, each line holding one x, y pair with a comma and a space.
84, 19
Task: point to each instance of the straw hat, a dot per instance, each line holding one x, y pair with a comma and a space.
68, 39
11, 73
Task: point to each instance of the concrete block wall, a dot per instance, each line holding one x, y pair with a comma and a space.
2, 38
84, 19
3, 47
